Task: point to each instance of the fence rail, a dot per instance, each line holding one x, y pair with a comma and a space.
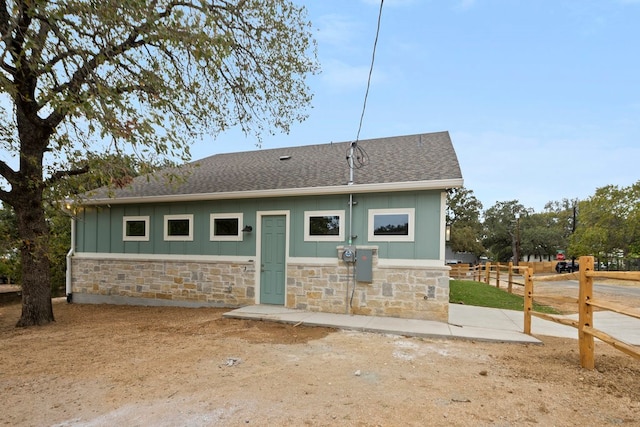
586, 329
490, 273
511, 275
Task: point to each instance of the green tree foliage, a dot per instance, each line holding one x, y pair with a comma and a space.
503, 226
463, 215
545, 234
147, 77
541, 236
9, 260
609, 224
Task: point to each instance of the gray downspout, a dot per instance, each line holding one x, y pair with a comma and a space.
68, 285
350, 240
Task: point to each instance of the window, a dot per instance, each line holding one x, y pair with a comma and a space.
324, 226
178, 227
135, 228
226, 227
391, 225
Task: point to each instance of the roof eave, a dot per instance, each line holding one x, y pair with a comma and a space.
286, 192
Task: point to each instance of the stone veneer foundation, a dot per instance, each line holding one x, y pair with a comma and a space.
395, 291
153, 282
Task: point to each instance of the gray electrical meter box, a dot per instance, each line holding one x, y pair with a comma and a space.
364, 265
349, 254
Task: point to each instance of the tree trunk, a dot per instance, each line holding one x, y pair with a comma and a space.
34, 250
33, 231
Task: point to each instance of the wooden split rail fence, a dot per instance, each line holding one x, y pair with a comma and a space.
587, 332
586, 302
490, 273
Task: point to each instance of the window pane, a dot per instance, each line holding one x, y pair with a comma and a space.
178, 227
225, 226
136, 228
391, 225
324, 225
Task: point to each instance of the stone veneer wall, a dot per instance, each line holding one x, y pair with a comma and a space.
407, 292
225, 284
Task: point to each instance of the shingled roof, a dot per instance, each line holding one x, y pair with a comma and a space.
400, 163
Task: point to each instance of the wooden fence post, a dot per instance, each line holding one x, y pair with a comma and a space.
510, 285
585, 313
528, 300
488, 272
498, 275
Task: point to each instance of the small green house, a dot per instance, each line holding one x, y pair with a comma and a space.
339, 227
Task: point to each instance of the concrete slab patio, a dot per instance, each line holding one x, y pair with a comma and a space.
465, 322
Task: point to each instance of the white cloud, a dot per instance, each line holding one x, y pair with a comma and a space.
341, 75
465, 4
336, 30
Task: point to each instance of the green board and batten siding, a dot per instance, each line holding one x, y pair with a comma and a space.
99, 229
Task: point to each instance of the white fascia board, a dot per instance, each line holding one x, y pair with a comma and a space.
441, 184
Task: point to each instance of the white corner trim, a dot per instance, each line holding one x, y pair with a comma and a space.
443, 225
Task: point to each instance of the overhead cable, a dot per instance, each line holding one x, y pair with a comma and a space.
373, 58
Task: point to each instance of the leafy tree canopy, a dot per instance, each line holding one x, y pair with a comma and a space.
608, 223
502, 229
463, 216
148, 77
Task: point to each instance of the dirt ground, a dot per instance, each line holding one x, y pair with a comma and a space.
100, 365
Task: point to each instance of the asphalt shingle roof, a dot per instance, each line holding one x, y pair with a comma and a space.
399, 159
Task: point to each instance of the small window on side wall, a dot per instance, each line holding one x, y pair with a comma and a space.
178, 227
226, 227
324, 226
391, 225
135, 228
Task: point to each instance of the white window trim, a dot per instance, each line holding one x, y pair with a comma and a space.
144, 238
188, 238
411, 212
335, 238
212, 229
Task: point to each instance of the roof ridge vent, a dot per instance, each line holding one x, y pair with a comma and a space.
285, 157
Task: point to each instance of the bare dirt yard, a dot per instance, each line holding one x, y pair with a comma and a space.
100, 365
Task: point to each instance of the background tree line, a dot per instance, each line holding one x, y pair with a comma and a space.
605, 225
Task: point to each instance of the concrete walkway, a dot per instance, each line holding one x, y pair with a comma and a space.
465, 322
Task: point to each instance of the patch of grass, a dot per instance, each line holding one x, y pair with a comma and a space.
483, 295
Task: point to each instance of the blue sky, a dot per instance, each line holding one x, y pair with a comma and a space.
541, 98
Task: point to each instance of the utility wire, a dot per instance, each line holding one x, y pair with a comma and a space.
373, 58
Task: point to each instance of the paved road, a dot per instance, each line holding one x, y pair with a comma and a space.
620, 290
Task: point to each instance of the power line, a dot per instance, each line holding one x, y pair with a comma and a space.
373, 58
